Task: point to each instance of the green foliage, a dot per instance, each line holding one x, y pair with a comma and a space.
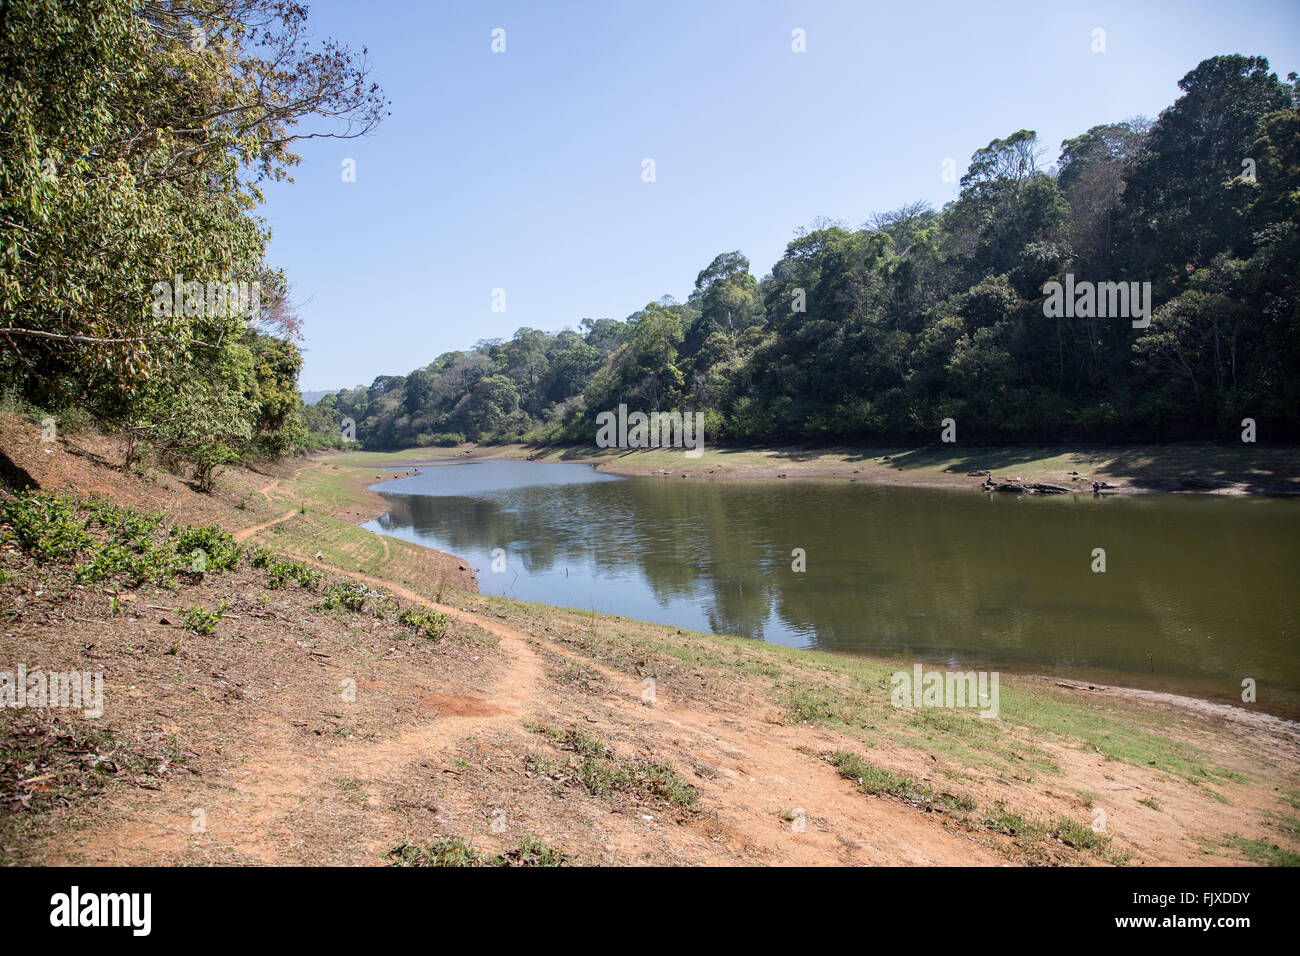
345, 597
107, 542
135, 139
282, 570
878, 333
201, 621
209, 548
879, 782
430, 625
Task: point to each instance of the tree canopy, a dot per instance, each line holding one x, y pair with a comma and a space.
879, 333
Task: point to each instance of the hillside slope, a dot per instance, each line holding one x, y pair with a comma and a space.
313, 726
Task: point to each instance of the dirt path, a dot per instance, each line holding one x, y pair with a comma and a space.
246, 533
758, 774
250, 818
761, 775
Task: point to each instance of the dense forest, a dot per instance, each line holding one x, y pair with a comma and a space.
133, 139
883, 331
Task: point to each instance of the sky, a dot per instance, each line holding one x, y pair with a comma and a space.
524, 170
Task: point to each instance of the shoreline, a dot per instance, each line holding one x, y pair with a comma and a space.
1218, 707
1123, 470
735, 734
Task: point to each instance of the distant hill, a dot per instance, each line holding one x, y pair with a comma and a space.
311, 398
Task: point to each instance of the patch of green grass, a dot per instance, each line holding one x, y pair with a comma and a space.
1014, 825
345, 597
1264, 852
533, 852
1151, 802
806, 704
878, 782
1098, 730
450, 852
601, 774
454, 851
1078, 835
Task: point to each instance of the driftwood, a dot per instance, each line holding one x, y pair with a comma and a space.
1044, 489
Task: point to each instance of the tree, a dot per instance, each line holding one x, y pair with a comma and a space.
135, 137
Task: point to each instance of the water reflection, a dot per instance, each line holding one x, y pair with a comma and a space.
1198, 593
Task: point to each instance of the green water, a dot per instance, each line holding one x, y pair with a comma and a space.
1198, 592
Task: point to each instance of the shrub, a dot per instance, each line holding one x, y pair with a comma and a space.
281, 570
203, 622
431, 625
345, 597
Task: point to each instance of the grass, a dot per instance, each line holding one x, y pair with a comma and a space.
1265, 852
454, 851
601, 774
1078, 835
878, 782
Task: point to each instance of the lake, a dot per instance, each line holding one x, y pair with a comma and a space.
1199, 592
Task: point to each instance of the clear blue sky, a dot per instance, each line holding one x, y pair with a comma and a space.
522, 170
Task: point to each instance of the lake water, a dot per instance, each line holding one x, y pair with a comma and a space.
1199, 592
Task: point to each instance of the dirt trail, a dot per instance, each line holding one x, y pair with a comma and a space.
758, 774
246, 533
279, 779
761, 775
447, 732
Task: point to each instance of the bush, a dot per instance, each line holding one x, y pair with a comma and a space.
345, 597
281, 570
210, 548
203, 622
106, 541
431, 625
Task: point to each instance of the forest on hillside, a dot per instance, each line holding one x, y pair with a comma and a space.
135, 139
882, 331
